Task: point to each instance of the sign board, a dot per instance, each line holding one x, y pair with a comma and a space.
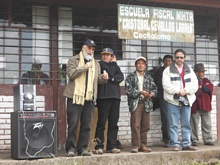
153, 23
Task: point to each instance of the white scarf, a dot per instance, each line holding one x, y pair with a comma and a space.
80, 83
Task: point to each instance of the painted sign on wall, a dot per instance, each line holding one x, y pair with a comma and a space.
153, 23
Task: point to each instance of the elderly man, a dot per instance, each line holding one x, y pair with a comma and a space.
180, 85
202, 107
81, 92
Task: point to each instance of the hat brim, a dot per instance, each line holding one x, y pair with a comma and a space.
91, 45
200, 70
106, 53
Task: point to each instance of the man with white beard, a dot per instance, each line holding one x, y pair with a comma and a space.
84, 76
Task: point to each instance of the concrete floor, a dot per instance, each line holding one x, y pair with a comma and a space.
158, 156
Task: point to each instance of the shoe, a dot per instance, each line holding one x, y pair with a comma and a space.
98, 151
167, 145
119, 145
209, 144
134, 150
175, 148
71, 153
194, 144
114, 150
84, 153
144, 149
189, 148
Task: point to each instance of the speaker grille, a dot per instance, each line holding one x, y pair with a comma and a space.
38, 138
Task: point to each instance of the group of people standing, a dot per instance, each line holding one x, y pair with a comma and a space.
92, 83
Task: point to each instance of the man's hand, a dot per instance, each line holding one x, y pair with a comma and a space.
104, 76
114, 58
182, 92
89, 65
148, 95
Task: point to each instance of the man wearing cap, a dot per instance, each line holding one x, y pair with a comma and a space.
108, 102
167, 61
180, 85
140, 89
81, 91
202, 108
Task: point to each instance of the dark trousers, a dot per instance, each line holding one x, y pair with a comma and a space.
164, 122
76, 113
107, 109
140, 125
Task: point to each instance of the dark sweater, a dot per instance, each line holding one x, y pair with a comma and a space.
111, 89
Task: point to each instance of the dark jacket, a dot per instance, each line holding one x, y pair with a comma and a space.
203, 96
158, 81
111, 89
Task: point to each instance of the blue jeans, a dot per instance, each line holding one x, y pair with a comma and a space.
176, 114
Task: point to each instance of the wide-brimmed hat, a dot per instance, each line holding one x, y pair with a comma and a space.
108, 51
89, 43
199, 68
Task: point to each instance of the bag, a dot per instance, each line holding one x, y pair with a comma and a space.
183, 100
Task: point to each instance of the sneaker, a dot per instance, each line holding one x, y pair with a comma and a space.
98, 151
175, 148
114, 150
134, 150
84, 153
209, 144
189, 148
145, 149
71, 153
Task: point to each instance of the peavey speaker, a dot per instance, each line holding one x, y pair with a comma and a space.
24, 97
33, 134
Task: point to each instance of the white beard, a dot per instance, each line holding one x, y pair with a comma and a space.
87, 57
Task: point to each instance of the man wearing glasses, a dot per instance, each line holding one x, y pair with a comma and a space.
180, 85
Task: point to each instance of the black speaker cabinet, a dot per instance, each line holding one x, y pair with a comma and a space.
33, 134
